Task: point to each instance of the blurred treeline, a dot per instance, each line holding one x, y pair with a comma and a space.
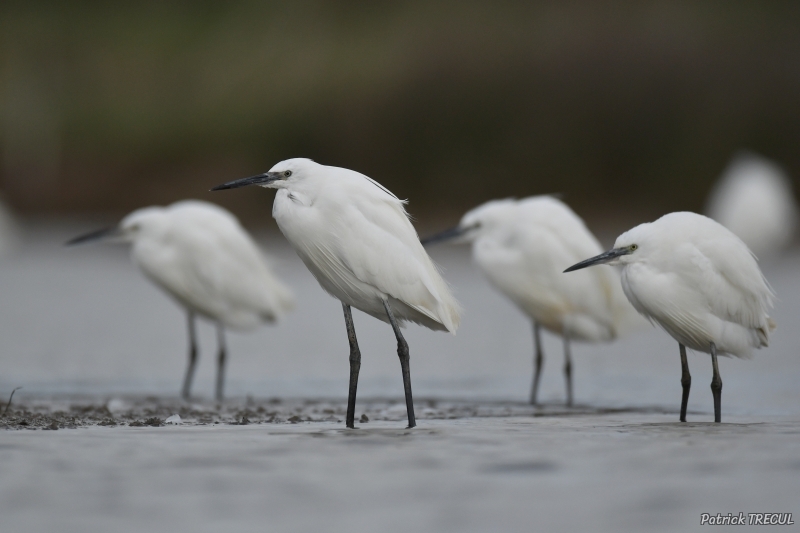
629, 109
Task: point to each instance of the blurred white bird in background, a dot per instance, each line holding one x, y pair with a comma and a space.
754, 200
356, 239
523, 246
202, 257
699, 282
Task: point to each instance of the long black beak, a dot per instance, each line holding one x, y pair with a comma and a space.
605, 257
445, 235
261, 179
97, 235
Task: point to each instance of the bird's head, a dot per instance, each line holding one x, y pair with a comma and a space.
627, 249
475, 222
141, 222
280, 176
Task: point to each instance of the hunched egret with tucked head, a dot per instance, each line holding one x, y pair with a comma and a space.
754, 200
356, 239
700, 283
522, 246
202, 257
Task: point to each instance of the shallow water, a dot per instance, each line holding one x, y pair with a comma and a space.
622, 472
81, 327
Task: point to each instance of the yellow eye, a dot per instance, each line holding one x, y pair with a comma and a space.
633, 247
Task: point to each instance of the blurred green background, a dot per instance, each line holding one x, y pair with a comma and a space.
628, 109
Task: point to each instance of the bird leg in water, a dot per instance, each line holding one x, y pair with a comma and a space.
568, 370
716, 385
187, 381
402, 352
537, 361
355, 365
686, 381
221, 362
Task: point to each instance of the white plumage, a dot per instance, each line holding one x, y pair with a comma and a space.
523, 246
698, 281
202, 257
356, 239
754, 199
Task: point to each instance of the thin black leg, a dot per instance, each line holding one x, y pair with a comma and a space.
402, 352
537, 360
187, 380
568, 370
686, 382
716, 385
221, 362
355, 365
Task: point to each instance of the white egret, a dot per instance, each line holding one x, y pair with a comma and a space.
356, 239
754, 200
700, 283
202, 257
522, 246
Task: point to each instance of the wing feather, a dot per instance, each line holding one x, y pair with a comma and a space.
209, 263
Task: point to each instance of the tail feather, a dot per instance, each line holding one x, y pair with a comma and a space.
763, 334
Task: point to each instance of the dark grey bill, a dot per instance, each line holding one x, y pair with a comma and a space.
445, 235
267, 177
93, 236
605, 257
